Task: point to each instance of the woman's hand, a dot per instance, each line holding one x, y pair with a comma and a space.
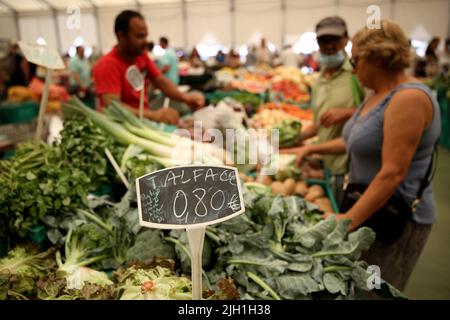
301, 153
341, 216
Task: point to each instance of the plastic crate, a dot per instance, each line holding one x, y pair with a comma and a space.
18, 112
19, 132
212, 98
444, 105
4, 247
103, 190
38, 234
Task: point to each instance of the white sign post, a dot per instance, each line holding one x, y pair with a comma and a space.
51, 60
137, 81
190, 197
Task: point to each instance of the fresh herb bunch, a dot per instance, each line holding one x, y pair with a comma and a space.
36, 183
83, 144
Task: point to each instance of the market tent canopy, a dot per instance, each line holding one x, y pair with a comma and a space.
211, 23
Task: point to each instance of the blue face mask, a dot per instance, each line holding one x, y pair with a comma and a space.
331, 61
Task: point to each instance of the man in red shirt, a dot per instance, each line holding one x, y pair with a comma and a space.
110, 71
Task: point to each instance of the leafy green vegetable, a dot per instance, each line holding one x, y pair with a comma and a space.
80, 251
286, 166
54, 287
148, 245
20, 269
289, 132
83, 145
283, 248
151, 284
37, 183
135, 163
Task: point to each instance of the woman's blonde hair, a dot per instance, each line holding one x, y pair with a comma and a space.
387, 46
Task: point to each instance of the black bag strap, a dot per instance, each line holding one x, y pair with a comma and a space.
427, 178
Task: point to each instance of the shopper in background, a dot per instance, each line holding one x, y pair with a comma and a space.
110, 71
444, 60
150, 47
220, 57
413, 58
233, 60
264, 54
309, 62
194, 59
169, 62
334, 97
252, 56
288, 57
79, 74
431, 57
390, 140
17, 68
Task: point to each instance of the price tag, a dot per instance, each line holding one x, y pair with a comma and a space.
50, 59
189, 196
135, 78
42, 55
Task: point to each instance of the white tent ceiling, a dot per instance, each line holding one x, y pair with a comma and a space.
211, 22
38, 5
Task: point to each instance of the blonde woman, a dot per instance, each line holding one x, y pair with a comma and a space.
390, 142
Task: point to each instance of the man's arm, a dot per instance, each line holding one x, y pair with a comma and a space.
336, 115
171, 90
309, 132
165, 69
167, 115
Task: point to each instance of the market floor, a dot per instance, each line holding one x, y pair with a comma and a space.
431, 277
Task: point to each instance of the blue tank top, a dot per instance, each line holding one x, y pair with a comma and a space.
364, 138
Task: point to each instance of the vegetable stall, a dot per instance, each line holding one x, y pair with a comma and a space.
91, 245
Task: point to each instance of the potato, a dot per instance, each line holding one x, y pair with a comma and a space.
266, 180
277, 187
301, 188
289, 186
324, 204
314, 192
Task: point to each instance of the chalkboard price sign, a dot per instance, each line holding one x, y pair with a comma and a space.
189, 196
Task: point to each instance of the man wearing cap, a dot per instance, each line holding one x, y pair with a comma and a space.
335, 95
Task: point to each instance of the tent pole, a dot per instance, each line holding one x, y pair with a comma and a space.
184, 24
15, 17
283, 22
55, 22
392, 13
233, 23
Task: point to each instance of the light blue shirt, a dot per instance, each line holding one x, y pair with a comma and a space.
83, 68
170, 59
